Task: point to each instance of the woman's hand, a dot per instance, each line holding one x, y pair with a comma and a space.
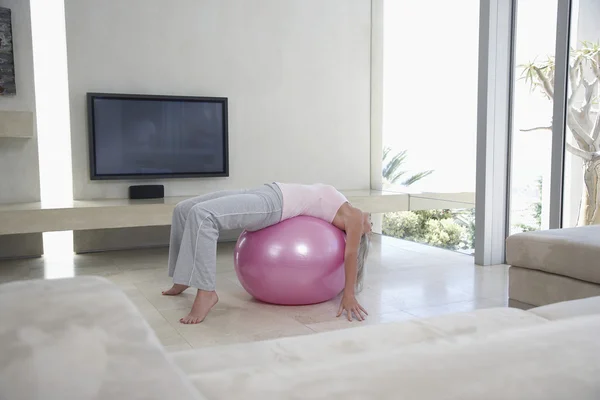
351, 306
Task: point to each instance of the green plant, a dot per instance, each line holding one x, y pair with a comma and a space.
405, 225
525, 227
444, 233
392, 169
435, 227
466, 219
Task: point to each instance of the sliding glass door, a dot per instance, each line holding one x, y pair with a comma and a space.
531, 139
430, 119
555, 135
537, 64
581, 196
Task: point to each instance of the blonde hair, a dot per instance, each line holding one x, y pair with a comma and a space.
363, 252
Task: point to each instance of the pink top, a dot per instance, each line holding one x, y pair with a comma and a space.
318, 200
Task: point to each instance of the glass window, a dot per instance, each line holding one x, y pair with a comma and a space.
531, 137
430, 118
581, 197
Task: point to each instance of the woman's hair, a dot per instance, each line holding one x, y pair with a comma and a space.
363, 252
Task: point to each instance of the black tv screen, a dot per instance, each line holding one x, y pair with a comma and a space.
141, 136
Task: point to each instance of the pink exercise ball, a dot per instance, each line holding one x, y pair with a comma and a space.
295, 262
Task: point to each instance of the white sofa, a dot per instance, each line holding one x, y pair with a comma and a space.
83, 339
554, 265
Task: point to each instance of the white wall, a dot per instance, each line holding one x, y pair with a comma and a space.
19, 166
296, 72
19, 170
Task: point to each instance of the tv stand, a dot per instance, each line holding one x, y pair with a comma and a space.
79, 215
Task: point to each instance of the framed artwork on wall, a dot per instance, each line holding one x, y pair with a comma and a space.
7, 65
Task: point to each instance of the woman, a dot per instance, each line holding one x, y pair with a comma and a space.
198, 221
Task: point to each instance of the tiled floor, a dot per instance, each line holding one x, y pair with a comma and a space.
404, 280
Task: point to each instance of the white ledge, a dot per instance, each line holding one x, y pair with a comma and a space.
16, 124
125, 213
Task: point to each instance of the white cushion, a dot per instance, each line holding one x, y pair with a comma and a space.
78, 339
546, 361
569, 309
336, 344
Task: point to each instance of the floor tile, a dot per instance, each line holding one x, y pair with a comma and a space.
403, 280
6, 264
456, 307
81, 260
139, 300
178, 347
100, 270
165, 332
152, 290
133, 265
228, 321
372, 319
219, 340
168, 335
159, 275
488, 282
225, 266
297, 330
149, 254
302, 314
16, 271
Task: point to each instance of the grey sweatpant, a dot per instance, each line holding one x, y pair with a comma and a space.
198, 221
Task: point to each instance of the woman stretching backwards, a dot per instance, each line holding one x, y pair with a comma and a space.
198, 221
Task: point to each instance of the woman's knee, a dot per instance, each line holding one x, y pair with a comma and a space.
203, 215
186, 205
179, 209
182, 210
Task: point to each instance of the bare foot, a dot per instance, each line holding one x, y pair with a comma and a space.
175, 290
203, 303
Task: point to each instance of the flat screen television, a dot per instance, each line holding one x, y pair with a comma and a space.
147, 136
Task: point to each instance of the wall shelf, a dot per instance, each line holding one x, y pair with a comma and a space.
16, 124
126, 213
